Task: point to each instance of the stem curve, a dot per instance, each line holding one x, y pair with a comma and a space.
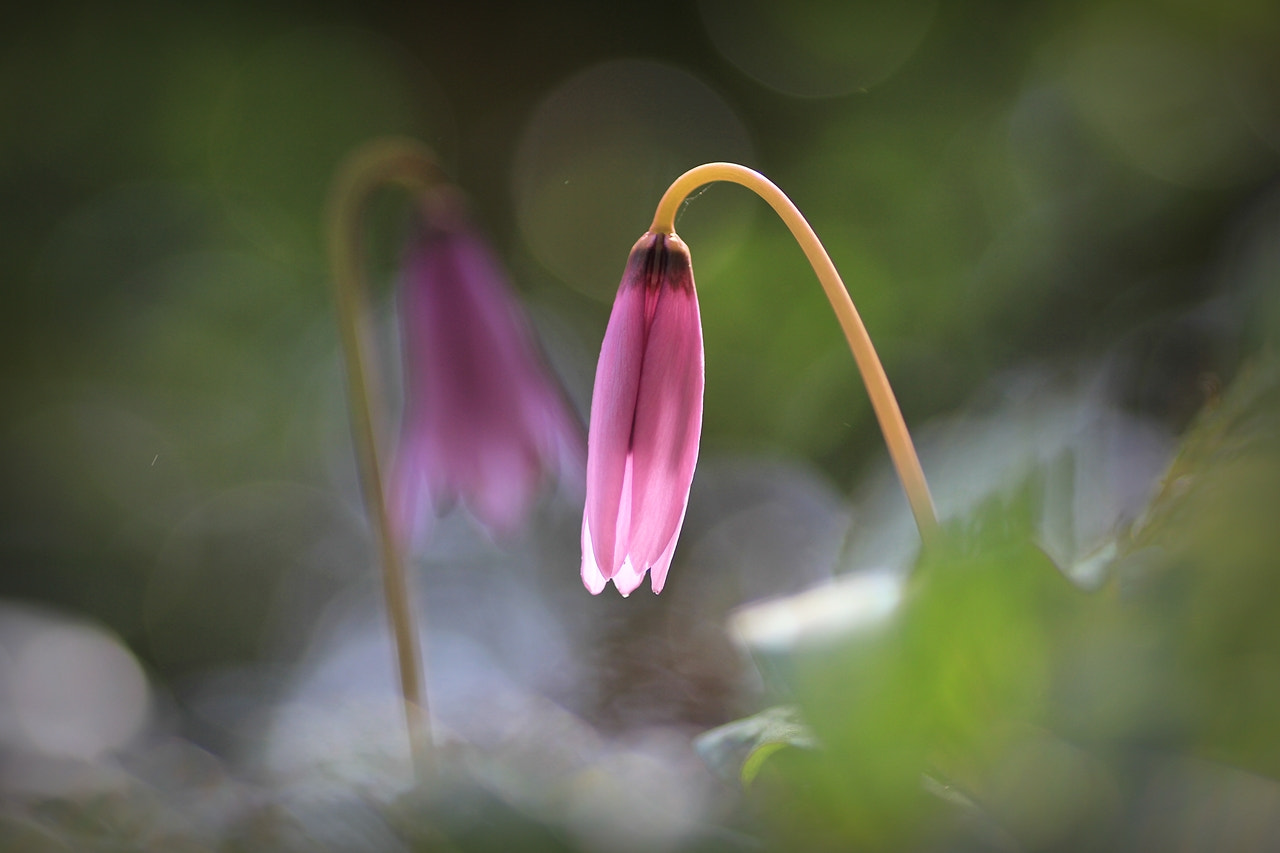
403, 162
883, 402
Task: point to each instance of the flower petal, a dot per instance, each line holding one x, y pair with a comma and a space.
668, 419
613, 407
628, 578
506, 479
658, 573
482, 417
592, 578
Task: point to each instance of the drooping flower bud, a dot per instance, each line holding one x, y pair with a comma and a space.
482, 418
646, 420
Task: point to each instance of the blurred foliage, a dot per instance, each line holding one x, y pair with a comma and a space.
737, 750
1001, 697
998, 707
945, 686
1203, 571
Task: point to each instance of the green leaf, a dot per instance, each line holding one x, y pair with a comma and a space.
738, 750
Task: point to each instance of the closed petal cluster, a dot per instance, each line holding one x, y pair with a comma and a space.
483, 420
646, 420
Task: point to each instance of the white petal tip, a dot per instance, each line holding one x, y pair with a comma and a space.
627, 579
592, 580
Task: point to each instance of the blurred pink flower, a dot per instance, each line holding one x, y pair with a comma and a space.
482, 419
646, 419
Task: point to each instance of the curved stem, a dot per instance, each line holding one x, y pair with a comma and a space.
901, 449
409, 164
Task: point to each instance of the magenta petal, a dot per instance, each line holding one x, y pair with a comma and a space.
628, 578
646, 419
592, 578
658, 573
505, 480
668, 424
482, 419
613, 403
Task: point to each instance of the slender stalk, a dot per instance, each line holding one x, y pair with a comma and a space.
901, 449
403, 162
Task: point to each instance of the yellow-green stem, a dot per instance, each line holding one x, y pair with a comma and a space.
901, 449
384, 162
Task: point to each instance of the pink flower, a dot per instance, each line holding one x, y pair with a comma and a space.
482, 419
646, 419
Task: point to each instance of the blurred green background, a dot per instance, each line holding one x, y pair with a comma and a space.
1086, 188
998, 182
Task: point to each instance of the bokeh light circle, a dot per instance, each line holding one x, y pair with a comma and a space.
597, 155
817, 48
74, 690
1161, 98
